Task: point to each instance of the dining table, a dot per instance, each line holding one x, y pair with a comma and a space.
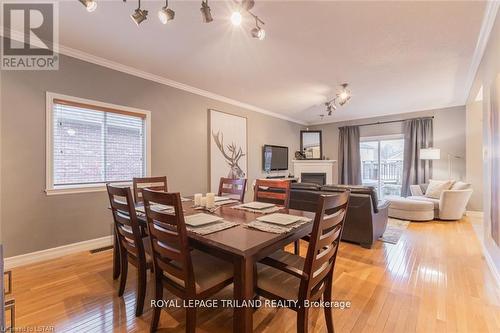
241, 245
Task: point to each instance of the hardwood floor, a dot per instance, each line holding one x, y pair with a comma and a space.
434, 280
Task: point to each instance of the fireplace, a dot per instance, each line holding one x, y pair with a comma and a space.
313, 177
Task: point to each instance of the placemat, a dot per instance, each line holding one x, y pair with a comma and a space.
260, 211
211, 228
276, 229
226, 202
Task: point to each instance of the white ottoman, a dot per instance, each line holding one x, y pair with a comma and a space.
408, 209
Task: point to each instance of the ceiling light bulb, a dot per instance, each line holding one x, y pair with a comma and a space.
258, 33
166, 14
139, 16
236, 18
91, 5
344, 95
205, 12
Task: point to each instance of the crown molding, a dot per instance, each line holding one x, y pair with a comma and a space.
96, 60
490, 13
386, 116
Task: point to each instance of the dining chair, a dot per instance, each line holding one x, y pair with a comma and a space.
286, 276
152, 183
235, 188
133, 248
187, 273
272, 191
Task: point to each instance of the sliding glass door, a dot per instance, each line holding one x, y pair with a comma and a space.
382, 164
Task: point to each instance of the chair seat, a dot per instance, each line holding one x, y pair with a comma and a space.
277, 282
209, 271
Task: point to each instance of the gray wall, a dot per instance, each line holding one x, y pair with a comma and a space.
33, 221
449, 136
488, 72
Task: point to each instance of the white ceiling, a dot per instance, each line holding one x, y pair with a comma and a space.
397, 56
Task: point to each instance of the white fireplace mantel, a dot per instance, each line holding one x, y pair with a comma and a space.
315, 166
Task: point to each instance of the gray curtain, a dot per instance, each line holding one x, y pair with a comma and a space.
418, 134
349, 156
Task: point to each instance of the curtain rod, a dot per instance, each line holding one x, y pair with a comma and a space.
392, 121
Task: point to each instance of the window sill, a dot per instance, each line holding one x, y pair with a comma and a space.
60, 190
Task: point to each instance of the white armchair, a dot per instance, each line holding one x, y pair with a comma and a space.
450, 206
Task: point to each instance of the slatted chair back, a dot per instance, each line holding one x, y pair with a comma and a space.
273, 191
323, 246
169, 242
125, 222
152, 183
235, 188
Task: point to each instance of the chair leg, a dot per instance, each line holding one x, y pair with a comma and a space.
141, 289
327, 296
157, 310
296, 247
116, 258
123, 273
302, 320
190, 320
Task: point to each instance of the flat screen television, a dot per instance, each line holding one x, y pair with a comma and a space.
274, 158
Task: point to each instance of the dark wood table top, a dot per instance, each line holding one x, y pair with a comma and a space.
240, 240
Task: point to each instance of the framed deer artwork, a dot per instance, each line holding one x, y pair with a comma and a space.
228, 147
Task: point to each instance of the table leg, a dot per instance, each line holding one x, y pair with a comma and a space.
243, 290
116, 257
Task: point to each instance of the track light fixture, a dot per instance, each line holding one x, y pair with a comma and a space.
139, 14
247, 4
344, 95
205, 12
166, 14
258, 32
341, 98
236, 18
91, 5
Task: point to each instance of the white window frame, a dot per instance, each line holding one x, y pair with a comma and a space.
50, 189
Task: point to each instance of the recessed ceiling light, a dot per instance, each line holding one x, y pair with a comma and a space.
91, 5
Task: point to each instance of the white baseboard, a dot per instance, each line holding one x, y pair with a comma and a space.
478, 228
474, 213
491, 264
57, 252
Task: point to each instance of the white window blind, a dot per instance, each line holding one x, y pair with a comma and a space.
93, 146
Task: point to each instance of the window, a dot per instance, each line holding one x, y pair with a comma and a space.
382, 163
91, 143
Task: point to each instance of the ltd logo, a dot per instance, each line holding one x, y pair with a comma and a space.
30, 36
